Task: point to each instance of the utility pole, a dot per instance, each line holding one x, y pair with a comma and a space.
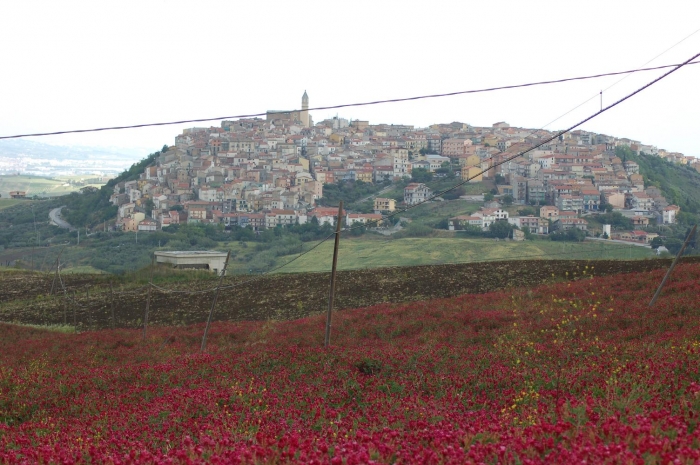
331, 295
213, 304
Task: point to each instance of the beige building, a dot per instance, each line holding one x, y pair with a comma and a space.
473, 172
384, 205
455, 147
203, 260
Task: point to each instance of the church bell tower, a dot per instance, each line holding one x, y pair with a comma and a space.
304, 116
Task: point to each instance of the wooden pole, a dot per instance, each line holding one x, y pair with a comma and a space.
58, 263
331, 295
213, 304
75, 304
673, 265
111, 295
148, 300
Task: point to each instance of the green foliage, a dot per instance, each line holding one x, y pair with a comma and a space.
414, 230
454, 193
500, 229
507, 199
488, 197
573, 235
421, 175
348, 192
471, 230
526, 211
673, 245
680, 184
91, 208
656, 242
615, 219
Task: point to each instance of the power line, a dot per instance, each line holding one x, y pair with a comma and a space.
172, 291
621, 79
348, 105
546, 141
612, 85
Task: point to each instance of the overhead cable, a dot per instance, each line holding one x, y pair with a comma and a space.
347, 105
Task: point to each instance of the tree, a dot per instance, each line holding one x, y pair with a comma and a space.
488, 197
656, 242
573, 235
508, 199
673, 245
500, 229
454, 193
500, 179
525, 211
421, 175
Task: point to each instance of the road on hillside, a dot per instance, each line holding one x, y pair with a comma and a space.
375, 195
55, 216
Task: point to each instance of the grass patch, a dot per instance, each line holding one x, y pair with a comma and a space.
372, 252
7, 203
67, 329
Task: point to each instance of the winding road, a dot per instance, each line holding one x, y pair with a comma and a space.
55, 216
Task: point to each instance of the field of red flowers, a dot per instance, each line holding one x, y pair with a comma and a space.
577, 371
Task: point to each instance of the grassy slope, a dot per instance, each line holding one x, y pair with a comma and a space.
7, 203
679, 184
35, 185
364, 253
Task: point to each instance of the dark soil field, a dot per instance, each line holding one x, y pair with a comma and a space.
25, 297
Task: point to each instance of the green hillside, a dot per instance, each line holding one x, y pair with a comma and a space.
364, 253
680, 184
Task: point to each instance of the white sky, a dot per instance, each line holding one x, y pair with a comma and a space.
70, 64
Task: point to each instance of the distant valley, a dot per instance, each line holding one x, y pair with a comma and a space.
28, 157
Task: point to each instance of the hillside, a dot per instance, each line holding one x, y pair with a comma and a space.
571, 372
680, 184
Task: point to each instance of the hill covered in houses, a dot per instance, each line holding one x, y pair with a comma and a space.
280, 171
277, 182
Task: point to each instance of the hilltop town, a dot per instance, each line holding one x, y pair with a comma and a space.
262, 173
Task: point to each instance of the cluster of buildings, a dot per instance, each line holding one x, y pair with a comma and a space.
267, 172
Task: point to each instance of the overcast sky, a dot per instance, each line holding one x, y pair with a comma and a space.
68, 65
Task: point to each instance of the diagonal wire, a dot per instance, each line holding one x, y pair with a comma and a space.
540, 144
346, 105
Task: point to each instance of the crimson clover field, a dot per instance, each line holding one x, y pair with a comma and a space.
570, 372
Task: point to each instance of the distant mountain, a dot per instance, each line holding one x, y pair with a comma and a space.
20, 148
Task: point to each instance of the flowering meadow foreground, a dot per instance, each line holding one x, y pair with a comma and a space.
570, 372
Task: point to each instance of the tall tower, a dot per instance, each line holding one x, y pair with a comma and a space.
305, 110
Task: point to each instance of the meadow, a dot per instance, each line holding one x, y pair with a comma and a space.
570, 372
7, 203
373, 252
41, 186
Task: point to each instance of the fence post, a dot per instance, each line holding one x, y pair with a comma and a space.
75, 305
111, 298
148, 300
331, 295
213, 304
58, 262
673, 265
